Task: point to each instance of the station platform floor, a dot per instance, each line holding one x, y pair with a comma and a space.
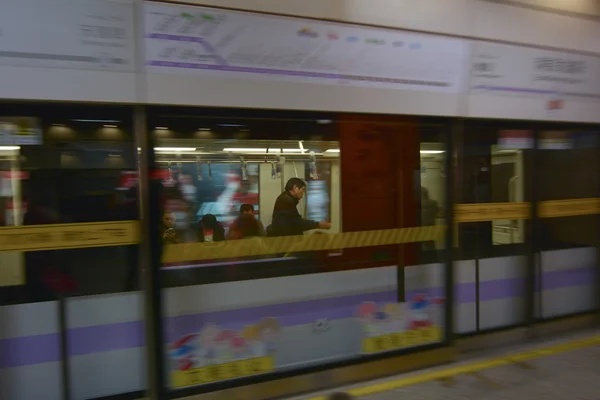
566, 367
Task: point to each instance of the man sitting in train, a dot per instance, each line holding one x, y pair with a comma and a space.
287, 221
210, 230
167, 229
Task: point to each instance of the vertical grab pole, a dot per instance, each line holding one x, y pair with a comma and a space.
150, 256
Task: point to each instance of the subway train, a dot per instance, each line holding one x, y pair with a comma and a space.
521, 250
459, 215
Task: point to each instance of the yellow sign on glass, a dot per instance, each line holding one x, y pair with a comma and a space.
68, 236
568, 208
483, 212
221, 372
400, 340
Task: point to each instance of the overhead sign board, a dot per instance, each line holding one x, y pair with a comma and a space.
72, 34
208, 42
555, 78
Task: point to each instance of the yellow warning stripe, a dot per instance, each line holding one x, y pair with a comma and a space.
568, 208
469, 368
291, 244
491, 211
69, 236
118, 233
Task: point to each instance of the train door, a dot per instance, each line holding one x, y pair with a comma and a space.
70, 306
493, 191
394, 179
567, 228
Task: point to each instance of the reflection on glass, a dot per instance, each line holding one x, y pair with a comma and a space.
507, 169
215, 179
494, 169
432, 189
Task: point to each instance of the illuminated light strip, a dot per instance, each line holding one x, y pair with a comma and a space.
491, 212
185, 252
69, 236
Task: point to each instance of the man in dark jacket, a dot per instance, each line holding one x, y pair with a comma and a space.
287, 221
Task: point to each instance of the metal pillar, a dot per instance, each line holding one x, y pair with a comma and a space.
150, 255
533, 247
453, 131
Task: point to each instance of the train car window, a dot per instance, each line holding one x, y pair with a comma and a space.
568, 178
493, 187
369, 281
222, 173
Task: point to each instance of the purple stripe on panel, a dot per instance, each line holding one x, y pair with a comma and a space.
501, 289
567, 278
513, 89
99, 338
29, 350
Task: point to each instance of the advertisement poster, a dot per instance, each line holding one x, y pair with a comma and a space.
210, 42
194, 190
394, 326
217, 354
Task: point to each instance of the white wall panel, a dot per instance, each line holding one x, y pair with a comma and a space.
583, 7
516, 82
507, 107
232, 295
104, 309
326, 9
39, 381
520, 21
235, 92
541, 28
28, 319
77, 50
66, 85
449, 17
107, 373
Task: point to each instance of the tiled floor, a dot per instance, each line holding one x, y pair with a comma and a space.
573, 375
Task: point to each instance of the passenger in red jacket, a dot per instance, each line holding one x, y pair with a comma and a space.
246, 225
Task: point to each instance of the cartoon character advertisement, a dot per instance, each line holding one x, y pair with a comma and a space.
216, 354
392, 326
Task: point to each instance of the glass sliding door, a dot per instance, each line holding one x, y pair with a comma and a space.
69, 253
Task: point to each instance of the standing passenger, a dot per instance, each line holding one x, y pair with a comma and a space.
287, 221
